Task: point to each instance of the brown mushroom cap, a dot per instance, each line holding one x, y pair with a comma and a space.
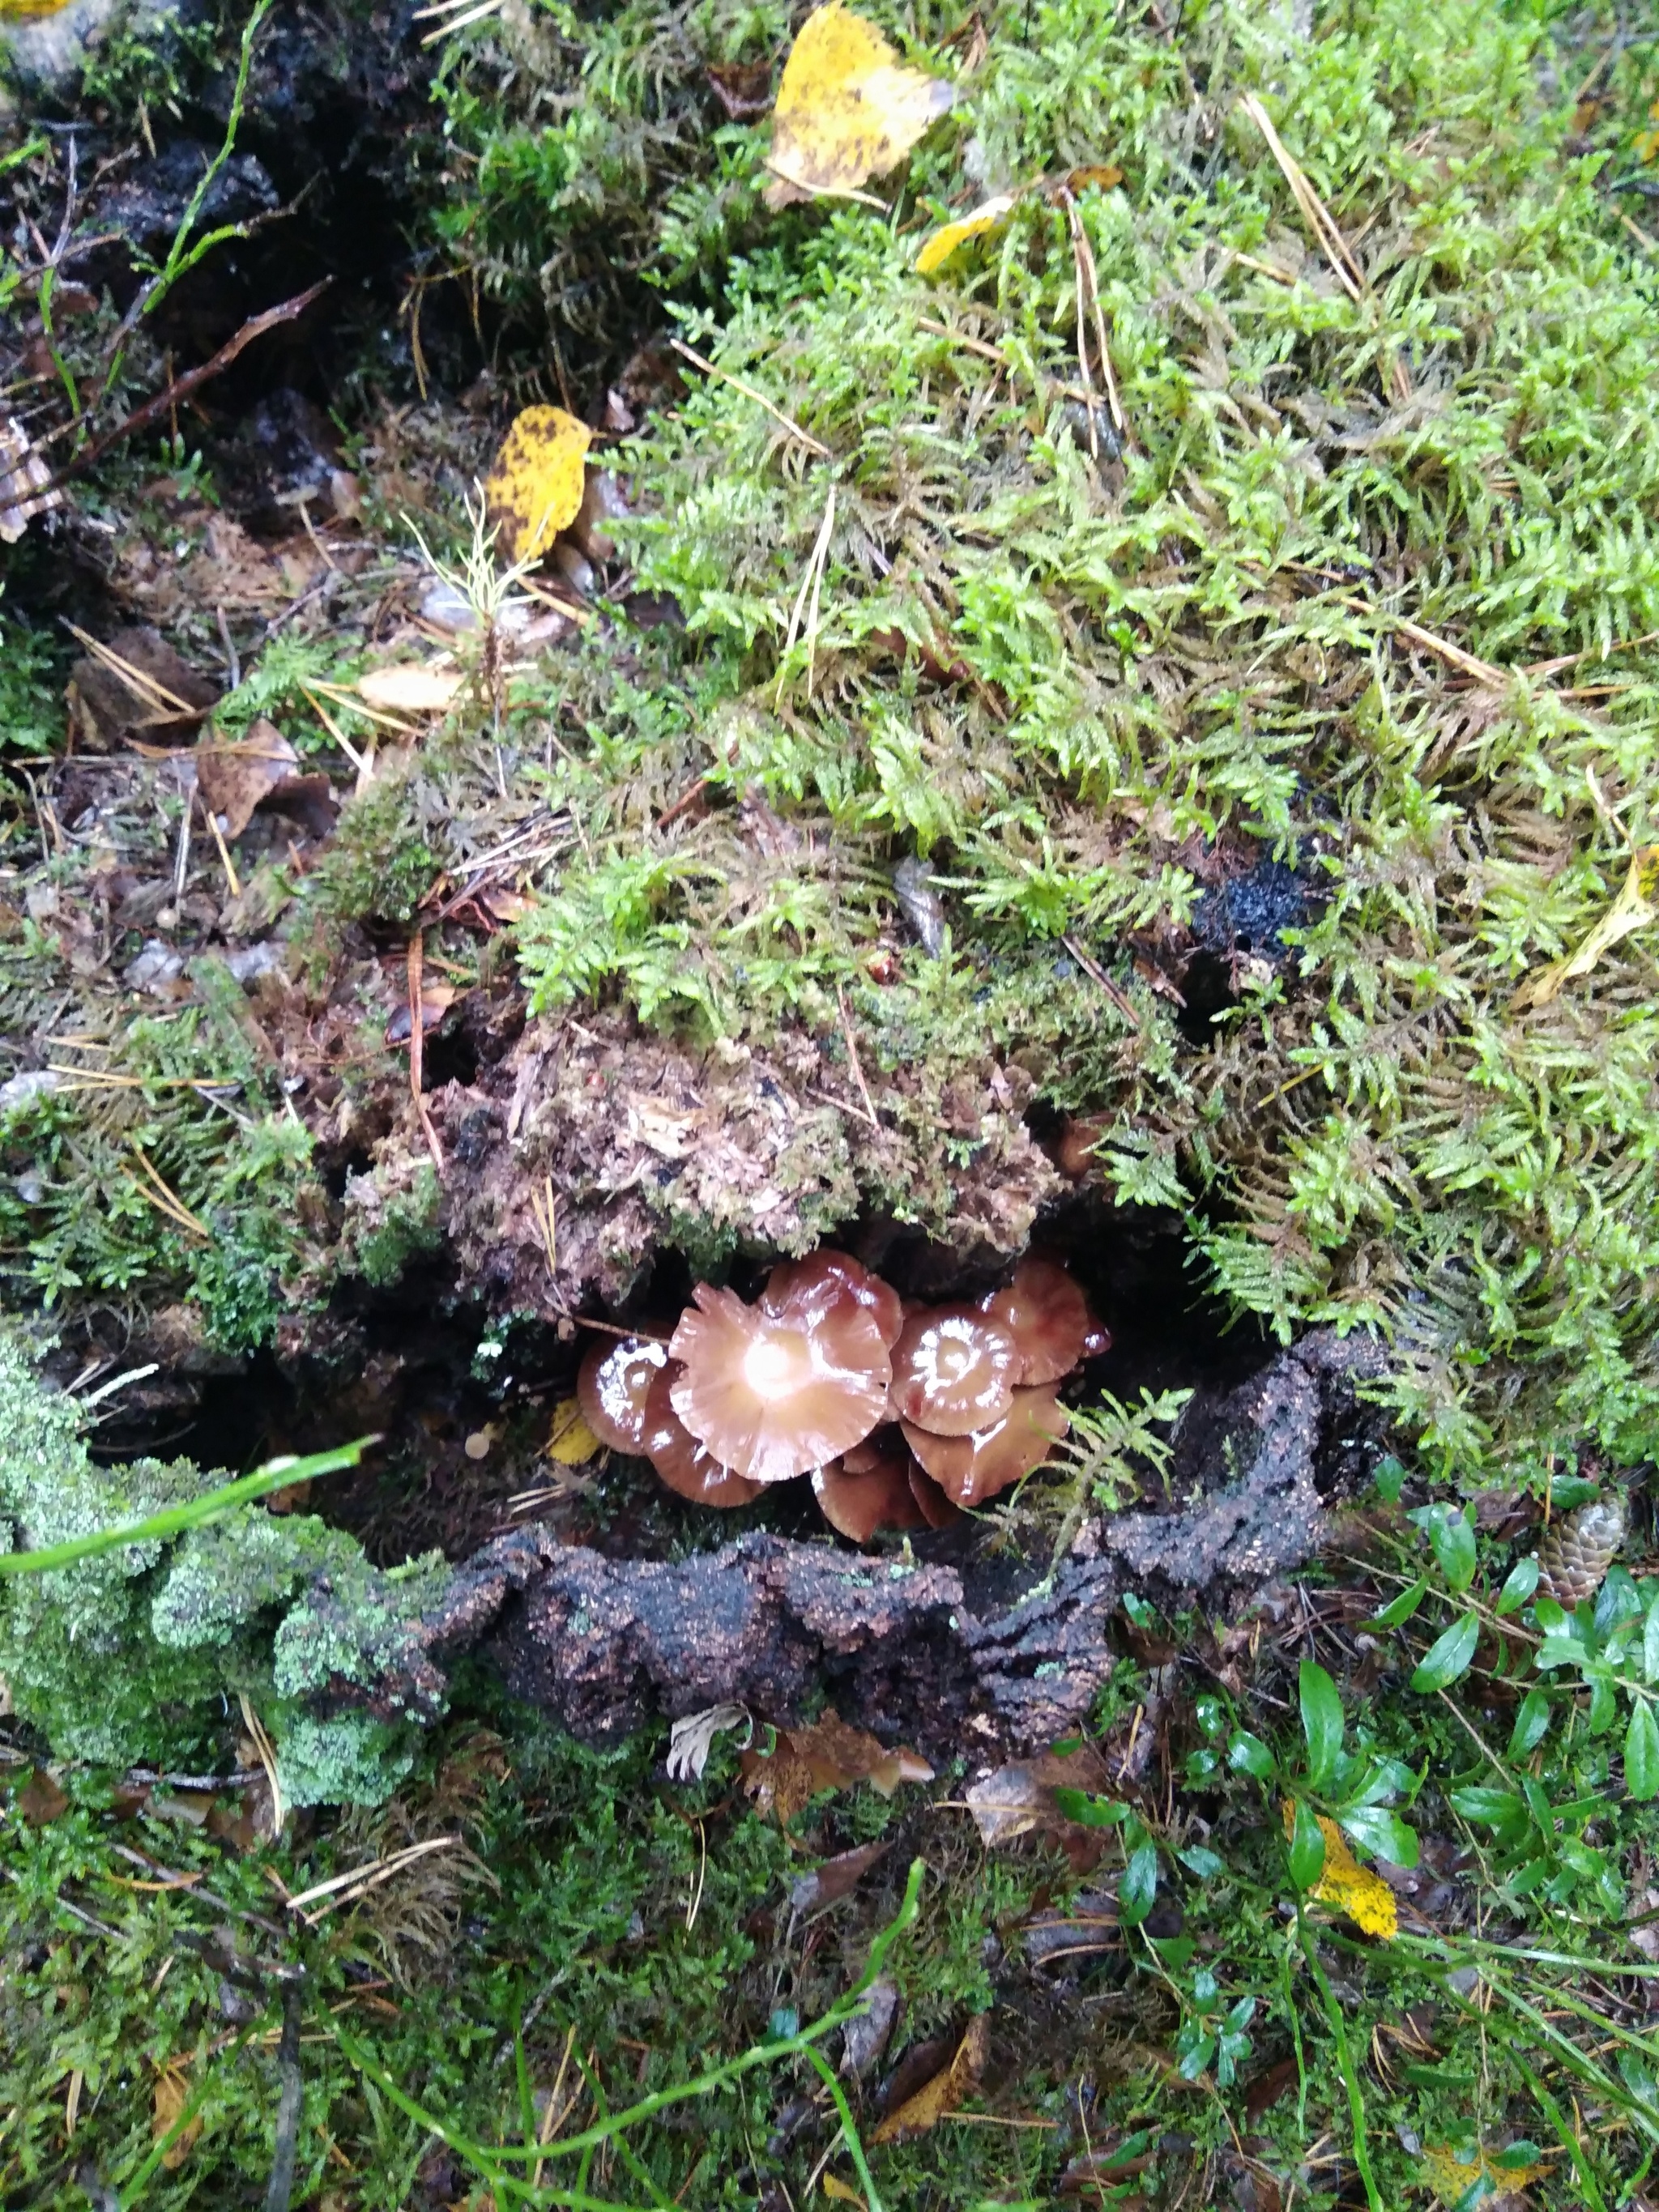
954, 1369
859, 1505
972, 1469
937, 1510
679, 1459
612, 1386
1049, 1316
804, 1288
773, 1395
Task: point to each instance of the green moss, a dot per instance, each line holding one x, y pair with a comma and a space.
392, 1215
380, 861
1185, 661
130, 1657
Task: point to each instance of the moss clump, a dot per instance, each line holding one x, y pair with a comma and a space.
1171, 666
130, 1658
391, 1216
380, 863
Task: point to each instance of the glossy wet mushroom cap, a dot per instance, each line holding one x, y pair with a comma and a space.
612, 1385
1049, 1316
807, 1288
937, 1510
954, 1369
681, 1462
861, 1505
971, 1468
773, 1395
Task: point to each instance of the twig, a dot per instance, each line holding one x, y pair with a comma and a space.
1083, 260
1092, 969
290, 2100
231, 876
852, 1054
267, 1751
1591, 653
346, 1888
167, 1198
181, 386
416, 1041
233, 658
749, 391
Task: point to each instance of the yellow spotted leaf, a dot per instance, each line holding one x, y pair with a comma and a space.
1353, 1889
1451, 2173
535, 489
939, 244
570, 1440
1636, 906
848, 108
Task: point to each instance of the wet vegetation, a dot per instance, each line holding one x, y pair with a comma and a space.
923, 811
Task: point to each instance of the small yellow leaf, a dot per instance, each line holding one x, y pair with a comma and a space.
535, 489
1636, 906
840, 2192
1353, 1889
570, 1440
172, 2095
937, 2098
1451, 2173
847, 109
409, 688
939, 244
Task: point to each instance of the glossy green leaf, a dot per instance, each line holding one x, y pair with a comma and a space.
1401, 1609
1642, 1754
1449, 1656
1138, 1887
1382, 1833
1307, 1847
1452, 1541
1532, 1721
1248, 1755
1519, 1585
1089, 1812
1321, 1720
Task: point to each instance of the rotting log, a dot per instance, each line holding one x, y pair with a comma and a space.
931, 1654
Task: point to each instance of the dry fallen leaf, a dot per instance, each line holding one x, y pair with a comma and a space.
828, 1755
569, 1439
262, 769
1017, 1799
840, 2192
939, 2097
537, 484
939, 244
848, 108
1636, 906
1353, 1889
410, 689
836, 1878
40, 1800
172, 2095
692, 1738
1451, 2173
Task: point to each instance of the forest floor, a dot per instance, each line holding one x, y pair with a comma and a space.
1134, 743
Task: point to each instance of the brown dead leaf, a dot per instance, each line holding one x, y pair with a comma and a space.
939, 2097
236, 780
836, 1878
436, 999
172, 2095
1020, 1798
40, 1800
743, 89
133, 685
827, 1755
848, 108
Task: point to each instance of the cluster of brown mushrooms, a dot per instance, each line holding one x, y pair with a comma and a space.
901, 1414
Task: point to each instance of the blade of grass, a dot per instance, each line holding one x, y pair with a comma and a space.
1362, 2157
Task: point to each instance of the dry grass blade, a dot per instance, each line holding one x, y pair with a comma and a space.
267, 1755
749, 392
163, 1197
166, 705
1088, 293
346, 1888
1321, 222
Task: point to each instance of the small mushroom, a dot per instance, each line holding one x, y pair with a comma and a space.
773, 1395
612, 1386
806, 1288
1050, 1319
954, 1369
679, 1459
971, 1468
880, 1497
937, 1510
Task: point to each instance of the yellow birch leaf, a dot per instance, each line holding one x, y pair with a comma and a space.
1636, 906
939, 244
535, 489
1353, 1889
840, 2192
570, 1440
1451, 2173
172, 2095
847, 109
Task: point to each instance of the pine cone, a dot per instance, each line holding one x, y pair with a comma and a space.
1576, 1554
